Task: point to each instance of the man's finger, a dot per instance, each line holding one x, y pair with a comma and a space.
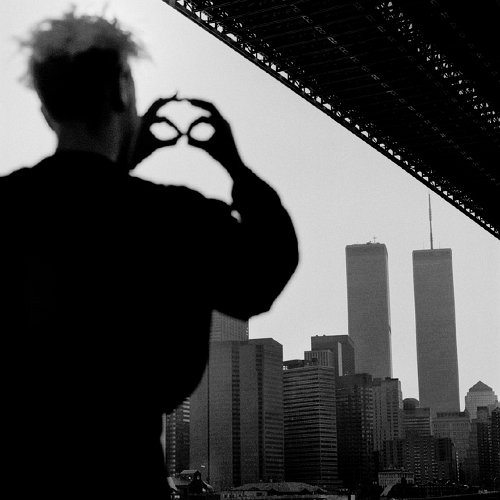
195, 142
158, 104
164, 119
201, 119
208, 106
168, 142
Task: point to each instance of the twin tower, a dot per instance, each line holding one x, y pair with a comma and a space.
369, 320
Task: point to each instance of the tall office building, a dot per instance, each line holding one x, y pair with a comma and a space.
436, 332
484, 452
455, 425
176, 425
387, 411
236, 432
342, 348
368, 308
227, 328
354, 397
310, 424
495, 446
479, 395
177, 439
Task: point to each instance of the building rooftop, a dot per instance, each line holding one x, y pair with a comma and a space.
281, 487
480, 387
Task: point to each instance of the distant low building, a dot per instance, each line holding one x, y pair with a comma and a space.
278, 491
480, 395
435, 491
431, 459
342, 349
395, 476
189, 484
416, 420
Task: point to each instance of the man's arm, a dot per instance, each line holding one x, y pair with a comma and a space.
259, 253
252, 258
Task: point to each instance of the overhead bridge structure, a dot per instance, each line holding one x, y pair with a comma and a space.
418, 80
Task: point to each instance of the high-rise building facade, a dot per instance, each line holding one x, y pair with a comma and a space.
354, 397
310, 424
321, 358
177, 438
435, 329
479, 395
495, 447
387, 411
225, 328
484, 450
236, 433
342, 348
416, 420
368, 308
430, 459
457, 427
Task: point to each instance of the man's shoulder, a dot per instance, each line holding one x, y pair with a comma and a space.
159, 189
11, 182
173, 193
15, 175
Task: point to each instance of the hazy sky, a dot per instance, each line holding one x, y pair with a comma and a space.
338, 190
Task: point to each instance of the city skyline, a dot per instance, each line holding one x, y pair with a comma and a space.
338, 190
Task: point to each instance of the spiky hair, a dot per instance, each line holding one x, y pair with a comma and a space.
74, 34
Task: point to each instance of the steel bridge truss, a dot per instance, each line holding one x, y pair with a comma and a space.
381, 72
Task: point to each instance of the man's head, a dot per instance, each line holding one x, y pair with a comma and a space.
78, 65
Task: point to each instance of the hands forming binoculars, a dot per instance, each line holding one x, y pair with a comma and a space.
220, 145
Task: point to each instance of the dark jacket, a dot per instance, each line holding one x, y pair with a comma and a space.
106, 296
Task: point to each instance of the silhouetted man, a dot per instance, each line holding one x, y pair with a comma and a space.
109, 281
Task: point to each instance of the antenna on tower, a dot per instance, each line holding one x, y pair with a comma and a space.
430, 221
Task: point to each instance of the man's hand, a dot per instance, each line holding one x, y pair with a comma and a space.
221, 145
146, 142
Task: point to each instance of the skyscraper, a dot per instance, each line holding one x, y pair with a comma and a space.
484, 450
495, 446
177, 439
435, 328
342, 348
457, 427
227, 328
236, 433
368, 308
354, 396
479, 395
387, 411
310, 424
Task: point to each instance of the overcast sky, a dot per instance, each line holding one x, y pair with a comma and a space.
338, 190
